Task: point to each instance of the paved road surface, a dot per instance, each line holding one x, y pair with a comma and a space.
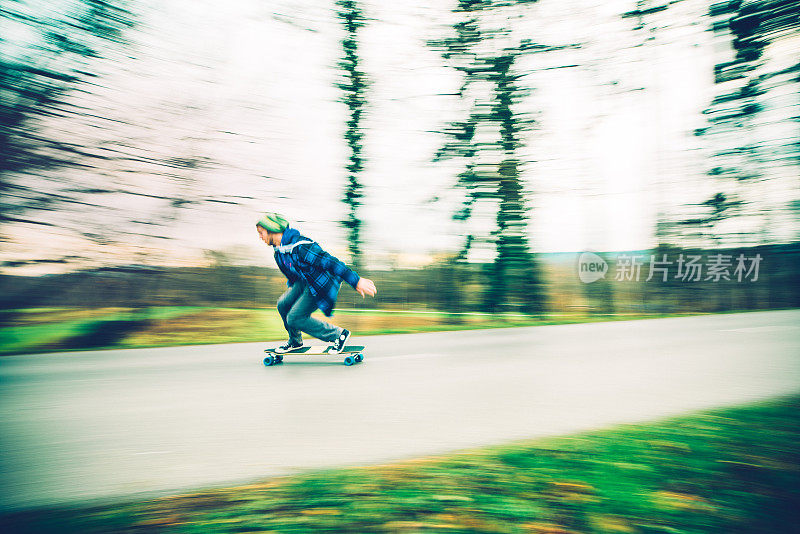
95, 425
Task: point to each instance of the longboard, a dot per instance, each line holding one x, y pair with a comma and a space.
352, 353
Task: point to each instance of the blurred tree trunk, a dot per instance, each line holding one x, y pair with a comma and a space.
746, 136
487, 141
354, 86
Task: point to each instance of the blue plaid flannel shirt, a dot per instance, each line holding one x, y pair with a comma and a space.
322, 272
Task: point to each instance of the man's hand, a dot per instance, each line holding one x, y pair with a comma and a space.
365, 286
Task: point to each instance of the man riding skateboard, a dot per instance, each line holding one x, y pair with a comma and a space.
314, 277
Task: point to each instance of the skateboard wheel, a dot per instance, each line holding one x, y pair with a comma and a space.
269, 360
349, 360
359, 357
278, 359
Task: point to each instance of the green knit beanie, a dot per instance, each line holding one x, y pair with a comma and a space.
273, 222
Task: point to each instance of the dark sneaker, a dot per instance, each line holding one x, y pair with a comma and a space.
289, 346
338, 344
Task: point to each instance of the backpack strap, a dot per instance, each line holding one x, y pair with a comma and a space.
286, 249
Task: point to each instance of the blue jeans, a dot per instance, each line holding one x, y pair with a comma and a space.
296, 307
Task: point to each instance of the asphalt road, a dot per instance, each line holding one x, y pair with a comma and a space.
99, 425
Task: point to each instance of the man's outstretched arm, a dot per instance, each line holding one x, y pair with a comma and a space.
314, 255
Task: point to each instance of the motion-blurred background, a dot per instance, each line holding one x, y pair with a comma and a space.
463, 154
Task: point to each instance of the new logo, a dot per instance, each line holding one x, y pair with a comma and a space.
591, 267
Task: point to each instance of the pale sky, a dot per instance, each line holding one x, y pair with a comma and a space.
249, 84
592, 179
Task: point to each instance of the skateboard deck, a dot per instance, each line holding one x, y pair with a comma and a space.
352, 353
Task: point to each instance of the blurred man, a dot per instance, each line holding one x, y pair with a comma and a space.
314, 277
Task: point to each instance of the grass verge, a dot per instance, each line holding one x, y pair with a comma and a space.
59, 329
724, 471
49, 329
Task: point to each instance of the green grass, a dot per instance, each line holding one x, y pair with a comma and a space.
725, 471
42, 330
24, 338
